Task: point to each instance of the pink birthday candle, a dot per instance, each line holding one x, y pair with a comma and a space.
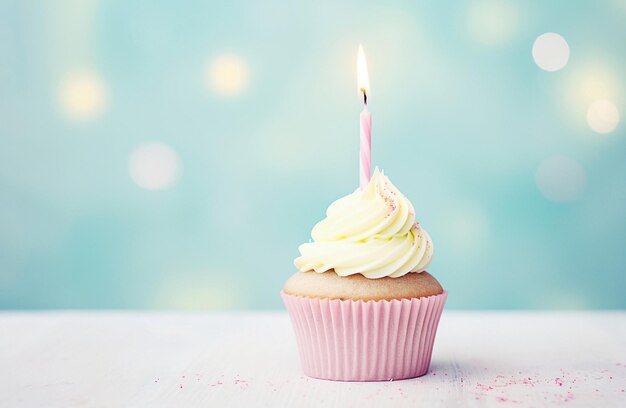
365, 157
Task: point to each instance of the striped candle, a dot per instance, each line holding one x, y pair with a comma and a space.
363, 84
365, 158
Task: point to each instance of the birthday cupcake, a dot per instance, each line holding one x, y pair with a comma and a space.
362, 305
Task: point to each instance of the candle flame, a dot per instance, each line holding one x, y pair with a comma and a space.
363, 81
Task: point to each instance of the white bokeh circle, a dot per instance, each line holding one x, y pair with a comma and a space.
154, 165
82, 96
602, 116
550, 52
561, 178
228, 74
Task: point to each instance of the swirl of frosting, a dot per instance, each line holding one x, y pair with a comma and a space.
371, 232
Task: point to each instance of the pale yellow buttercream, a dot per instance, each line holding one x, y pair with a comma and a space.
371, 232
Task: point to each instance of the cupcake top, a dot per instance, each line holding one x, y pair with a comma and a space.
372, 232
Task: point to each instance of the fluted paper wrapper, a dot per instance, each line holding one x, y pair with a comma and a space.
348, 340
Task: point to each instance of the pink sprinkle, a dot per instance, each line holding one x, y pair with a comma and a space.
558, 381
484, 387
501, 399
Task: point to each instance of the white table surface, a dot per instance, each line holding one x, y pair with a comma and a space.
249, 359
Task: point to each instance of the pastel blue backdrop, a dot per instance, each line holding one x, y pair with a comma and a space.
174, 155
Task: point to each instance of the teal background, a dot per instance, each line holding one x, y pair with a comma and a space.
462, 119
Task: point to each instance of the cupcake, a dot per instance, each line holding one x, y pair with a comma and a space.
362, 305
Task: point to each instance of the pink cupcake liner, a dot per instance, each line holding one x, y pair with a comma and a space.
347, 340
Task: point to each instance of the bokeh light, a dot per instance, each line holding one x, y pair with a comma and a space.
154, 166
82, 96
199, 291
467, 229
562, 298
561, 178
586, 84
620, 5
602, 116
493, 22
550, 52
228, 74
